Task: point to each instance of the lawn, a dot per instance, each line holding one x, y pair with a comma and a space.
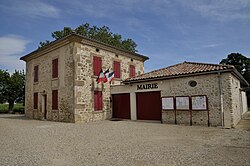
18, 107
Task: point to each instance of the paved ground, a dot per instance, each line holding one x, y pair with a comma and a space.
32, 142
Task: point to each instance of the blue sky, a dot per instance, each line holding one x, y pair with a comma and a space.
168, 31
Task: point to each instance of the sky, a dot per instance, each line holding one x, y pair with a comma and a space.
167, 31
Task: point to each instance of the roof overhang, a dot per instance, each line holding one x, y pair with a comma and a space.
84, 40
233, 70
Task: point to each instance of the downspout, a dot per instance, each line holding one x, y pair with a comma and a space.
221, 100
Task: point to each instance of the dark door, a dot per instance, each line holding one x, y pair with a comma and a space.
45, 106
121, 106
148, 105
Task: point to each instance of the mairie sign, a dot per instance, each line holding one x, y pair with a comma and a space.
147, 86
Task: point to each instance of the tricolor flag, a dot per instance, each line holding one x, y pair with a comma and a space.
111, 77
100, 77
106, 75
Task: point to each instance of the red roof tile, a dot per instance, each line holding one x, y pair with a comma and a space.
181, 69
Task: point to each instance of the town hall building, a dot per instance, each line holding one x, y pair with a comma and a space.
61, 86
61, 79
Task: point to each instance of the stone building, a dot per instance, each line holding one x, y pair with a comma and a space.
187, 93
61, 86
61, 79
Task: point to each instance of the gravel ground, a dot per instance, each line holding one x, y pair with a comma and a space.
32, 142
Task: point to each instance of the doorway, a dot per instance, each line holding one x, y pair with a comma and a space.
148, 105
44, 106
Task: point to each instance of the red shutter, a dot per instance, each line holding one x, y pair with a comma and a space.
132, 71
55, 68
97, 65
97, 100
54, 99
117, 69
100, 100
35, 100
36, 74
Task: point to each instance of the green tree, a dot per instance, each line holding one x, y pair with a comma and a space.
11, 86
240, 62
102, 34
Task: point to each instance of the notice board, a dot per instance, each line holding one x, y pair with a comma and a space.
182, 103
167, 103
199, 103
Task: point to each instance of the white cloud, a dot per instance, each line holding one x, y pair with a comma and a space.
12, 45
11, 48
222, 10
11, 63
31, 8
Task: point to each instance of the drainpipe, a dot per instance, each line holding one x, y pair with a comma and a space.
221, 99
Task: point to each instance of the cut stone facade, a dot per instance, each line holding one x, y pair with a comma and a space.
85, 82
75, 83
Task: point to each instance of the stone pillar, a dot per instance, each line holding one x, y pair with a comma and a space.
133, 106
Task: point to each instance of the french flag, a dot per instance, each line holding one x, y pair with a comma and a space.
106, 75
100, 77
111, 77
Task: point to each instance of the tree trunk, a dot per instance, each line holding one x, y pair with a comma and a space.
11, 106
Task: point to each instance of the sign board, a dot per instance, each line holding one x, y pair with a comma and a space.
182, 103
199, 103
167, 103
147, 86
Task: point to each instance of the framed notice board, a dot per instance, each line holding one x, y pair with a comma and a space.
182, 102
167, 103
199, 102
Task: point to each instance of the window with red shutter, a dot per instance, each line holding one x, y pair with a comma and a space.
36, 73
35, 100
132, 71
54, 99
55, 68
117, 69
97, 100
97, 65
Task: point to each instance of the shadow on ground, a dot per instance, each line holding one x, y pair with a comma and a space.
244, 122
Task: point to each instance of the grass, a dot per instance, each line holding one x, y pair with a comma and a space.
18, 107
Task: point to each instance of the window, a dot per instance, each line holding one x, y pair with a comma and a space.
97, 65
35, 100
36, 73
54, 99
192, 83
117, 69
55, 68
97, 100
131, 71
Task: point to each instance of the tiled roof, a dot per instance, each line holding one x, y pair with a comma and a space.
181, 69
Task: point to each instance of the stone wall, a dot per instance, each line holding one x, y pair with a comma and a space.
237, 105
45, 85
206, 85
85, 83
222, 91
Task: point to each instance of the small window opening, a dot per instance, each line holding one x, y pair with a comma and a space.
192, 83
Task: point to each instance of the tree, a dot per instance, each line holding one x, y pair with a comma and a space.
11, 86
102, 34
240, 62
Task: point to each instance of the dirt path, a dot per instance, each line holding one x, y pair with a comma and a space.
32, 142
